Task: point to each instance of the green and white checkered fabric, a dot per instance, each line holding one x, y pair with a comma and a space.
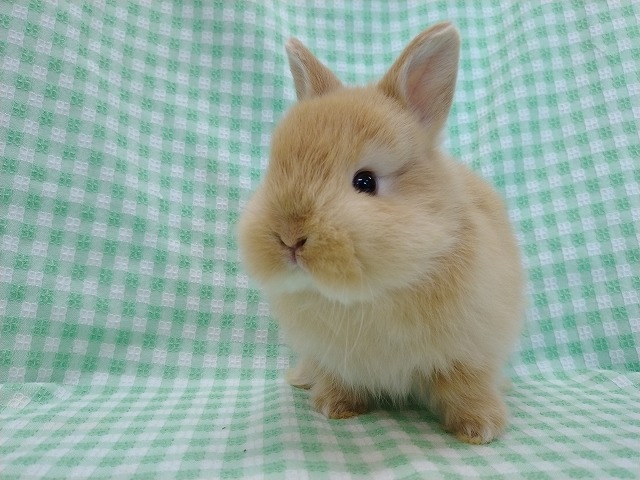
237, 429
133, 344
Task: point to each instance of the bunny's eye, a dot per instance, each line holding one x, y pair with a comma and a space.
365, 182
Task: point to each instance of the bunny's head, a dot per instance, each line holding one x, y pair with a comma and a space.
357, 198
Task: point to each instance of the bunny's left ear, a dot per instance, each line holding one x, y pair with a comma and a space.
423, 78
310, 76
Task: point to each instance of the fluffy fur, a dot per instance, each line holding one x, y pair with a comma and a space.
414, 291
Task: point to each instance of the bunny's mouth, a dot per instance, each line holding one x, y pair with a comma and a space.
296, 262
293, 258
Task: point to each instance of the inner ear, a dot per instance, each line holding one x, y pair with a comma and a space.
423, 78
310, 76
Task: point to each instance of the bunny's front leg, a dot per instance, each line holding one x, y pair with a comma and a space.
303, 374
335, 400
469, 402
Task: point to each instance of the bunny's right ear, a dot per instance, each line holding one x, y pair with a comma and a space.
310, 76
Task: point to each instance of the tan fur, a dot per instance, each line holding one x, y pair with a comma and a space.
310, 77
469, 403
414, 291
335, 399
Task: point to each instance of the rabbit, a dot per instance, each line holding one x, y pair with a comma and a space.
391, 269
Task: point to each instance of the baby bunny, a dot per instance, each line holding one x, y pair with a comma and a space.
392, 269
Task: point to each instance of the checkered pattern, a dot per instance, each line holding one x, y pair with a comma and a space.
132, 343
236, 429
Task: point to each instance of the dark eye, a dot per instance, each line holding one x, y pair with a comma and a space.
365, 182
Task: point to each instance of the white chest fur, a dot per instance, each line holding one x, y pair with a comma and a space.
369, 346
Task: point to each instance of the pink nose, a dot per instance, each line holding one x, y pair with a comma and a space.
294, 246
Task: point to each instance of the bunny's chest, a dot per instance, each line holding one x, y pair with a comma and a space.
366, 347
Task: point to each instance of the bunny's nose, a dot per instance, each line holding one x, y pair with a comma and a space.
294, 245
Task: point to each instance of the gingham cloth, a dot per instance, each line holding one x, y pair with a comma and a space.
133, 344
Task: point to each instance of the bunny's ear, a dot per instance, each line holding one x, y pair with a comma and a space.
423, 78
311, 77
